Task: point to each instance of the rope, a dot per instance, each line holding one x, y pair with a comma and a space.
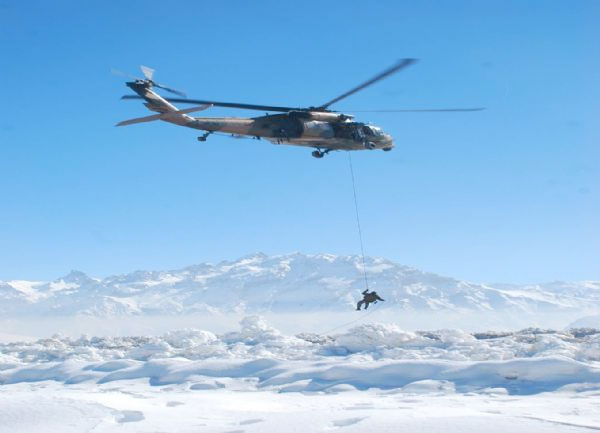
362, 252
362, 249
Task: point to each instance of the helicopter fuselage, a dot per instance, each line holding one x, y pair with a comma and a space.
301, 130
322, 130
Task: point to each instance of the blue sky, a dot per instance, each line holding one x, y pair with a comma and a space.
510, 194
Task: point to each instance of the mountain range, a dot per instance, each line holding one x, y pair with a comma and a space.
282, 283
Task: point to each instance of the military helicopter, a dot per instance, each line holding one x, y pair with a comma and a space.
315, 127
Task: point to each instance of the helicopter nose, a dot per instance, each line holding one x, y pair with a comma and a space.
388, 143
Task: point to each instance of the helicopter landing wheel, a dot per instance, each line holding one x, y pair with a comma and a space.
204, 136
318, 154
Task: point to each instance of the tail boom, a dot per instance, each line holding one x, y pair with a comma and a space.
155, 102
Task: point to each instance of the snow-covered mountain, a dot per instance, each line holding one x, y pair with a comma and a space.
283, 283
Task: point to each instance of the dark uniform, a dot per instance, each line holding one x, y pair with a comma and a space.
368, 298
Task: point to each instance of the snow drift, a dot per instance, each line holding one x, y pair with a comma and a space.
368, 356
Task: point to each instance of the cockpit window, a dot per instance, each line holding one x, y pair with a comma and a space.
371, 130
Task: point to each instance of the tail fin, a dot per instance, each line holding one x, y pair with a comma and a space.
154, 101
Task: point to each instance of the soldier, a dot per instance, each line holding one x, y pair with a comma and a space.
368, 298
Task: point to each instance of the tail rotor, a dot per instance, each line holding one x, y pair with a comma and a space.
148, 80
149, 73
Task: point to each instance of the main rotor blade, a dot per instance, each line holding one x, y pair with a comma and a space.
435, 110
224, 104
122, 74
398, 66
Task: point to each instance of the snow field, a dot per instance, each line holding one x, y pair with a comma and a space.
133, 406
375, 377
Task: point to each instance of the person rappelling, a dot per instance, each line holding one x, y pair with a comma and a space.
368, 298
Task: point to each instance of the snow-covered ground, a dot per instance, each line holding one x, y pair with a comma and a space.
133, 406
374, 377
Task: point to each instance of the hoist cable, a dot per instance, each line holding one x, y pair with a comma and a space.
362, 249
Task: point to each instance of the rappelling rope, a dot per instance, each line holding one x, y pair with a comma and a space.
362, 249
362, 253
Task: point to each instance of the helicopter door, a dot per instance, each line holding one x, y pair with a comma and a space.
286, 127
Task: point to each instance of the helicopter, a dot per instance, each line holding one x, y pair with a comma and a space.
315, 127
